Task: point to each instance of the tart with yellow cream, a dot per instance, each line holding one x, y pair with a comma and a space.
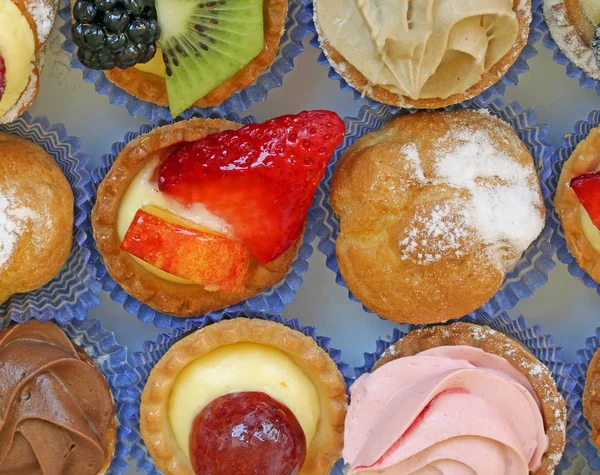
461, 398
202, 214
244, 396
575, 27
577, 203
24, 29
179, 53
425, 54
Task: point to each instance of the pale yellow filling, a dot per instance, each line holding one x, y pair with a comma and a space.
155, 66
420, 48
17, 48
590, 231
242, 367
143, 190
592, 10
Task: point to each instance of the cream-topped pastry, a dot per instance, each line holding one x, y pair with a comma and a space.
143, 191
17, 49
449, 409
242, 367
420, 50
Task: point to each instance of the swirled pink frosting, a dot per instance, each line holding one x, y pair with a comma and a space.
449, 410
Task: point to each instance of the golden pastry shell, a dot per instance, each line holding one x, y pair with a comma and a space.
359, 82
151, 88
182, 300
325, 448
591, 396
554, 411
585, 158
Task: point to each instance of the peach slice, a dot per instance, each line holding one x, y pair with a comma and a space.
184, 249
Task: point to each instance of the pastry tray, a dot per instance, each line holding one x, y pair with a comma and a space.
564, 306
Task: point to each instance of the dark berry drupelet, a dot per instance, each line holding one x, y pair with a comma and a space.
115, 33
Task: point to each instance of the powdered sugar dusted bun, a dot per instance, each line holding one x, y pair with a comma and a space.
435, 208
40, 14
573, 31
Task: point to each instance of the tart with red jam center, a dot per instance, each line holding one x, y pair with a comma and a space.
202, 214
577, 203
244, 396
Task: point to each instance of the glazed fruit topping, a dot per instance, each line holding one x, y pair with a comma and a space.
260, 179
246, 433
183, 249
115, 33
587, 189
2, 77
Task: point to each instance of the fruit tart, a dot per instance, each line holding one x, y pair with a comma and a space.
591, 397
202, 214
179, 53
577, 203
244, 396
425, 54
56, 408
25, 26
575, 27
460, 398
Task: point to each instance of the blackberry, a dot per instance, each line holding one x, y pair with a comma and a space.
596, 45
115, 33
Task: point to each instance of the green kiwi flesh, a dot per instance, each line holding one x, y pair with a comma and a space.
204, 43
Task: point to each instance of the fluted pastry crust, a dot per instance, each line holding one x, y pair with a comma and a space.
37, 181
377, 198
584, 159
554, 410
31, 91
151, 88
591, 396
326, 446
359, 82
182, 300
573, 32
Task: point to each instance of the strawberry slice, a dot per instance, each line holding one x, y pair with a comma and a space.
587, 189
261, 178
2, 77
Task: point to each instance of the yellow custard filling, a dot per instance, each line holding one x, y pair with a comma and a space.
143, 191
155, 66
592, 10
590, 231
242, 367
17, 48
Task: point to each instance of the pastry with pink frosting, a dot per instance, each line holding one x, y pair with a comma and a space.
453, 400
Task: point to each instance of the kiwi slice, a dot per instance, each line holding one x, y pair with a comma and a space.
204, 43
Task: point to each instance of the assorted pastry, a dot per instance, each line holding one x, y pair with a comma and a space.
575, 27
591, 397
202, 214
36, 216
180, 53
244, 396
577, 205
425, 54
57, 415
460, 398
25, 26
434, 209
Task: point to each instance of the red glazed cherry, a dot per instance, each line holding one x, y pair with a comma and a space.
246, 433
2, 77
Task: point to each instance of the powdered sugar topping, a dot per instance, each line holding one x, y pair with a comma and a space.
502, 208
42, 13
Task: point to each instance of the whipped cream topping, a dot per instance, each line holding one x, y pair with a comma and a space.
452, 409
420, 48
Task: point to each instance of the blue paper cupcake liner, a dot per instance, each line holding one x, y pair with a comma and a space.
272, 300
558, 56
153, 351
511, 78
584, 442
290, 46
111, 358
73, 291
530, 273
561, 155
542, 347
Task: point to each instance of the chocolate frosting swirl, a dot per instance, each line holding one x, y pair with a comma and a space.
55, 407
